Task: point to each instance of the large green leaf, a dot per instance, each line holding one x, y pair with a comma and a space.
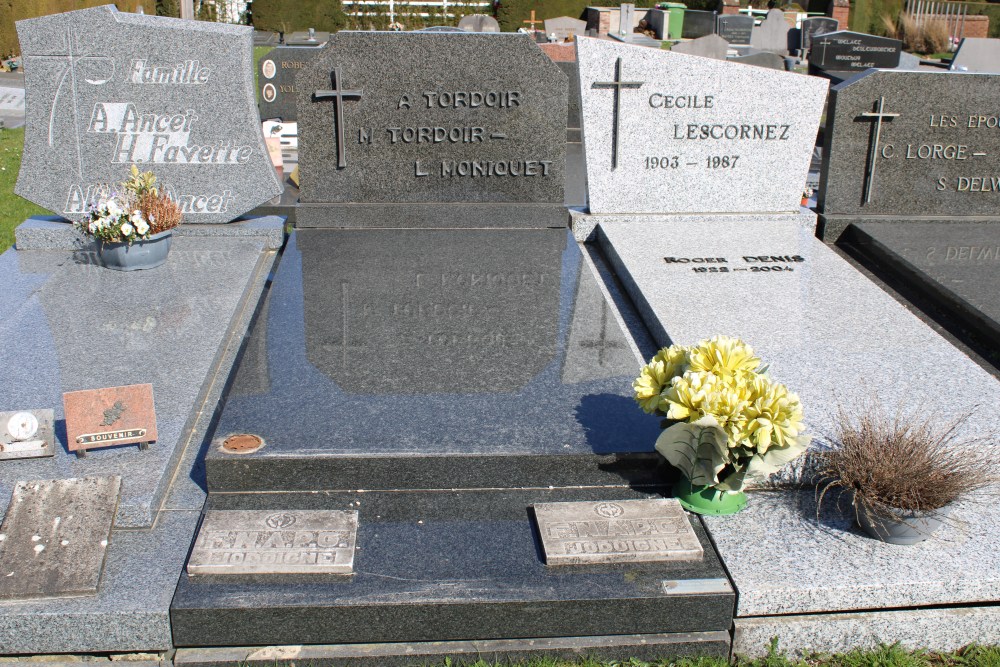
763, 465
698, 449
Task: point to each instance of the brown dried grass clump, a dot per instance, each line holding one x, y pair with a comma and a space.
162, 212
889, 26
900, 464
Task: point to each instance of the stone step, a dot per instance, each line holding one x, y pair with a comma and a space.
444, 566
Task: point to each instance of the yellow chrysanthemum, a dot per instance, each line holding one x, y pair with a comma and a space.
655, 377
774, 416
723, 355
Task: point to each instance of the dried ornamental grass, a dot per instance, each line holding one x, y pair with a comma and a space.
162, 212
900, 465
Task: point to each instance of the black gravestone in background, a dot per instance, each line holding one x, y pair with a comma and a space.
276, 80
812, 27
846, 51
735, 29
698, 24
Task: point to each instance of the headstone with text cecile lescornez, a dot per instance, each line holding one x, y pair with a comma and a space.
106, 90
672, 133
394, 128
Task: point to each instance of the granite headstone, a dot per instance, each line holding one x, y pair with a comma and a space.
735, 28
698, 24
977, 54
277, 80
106, 90
393, 126
709, 46
565, 27
906, 144
815, 26
761, 59
845, 51
479, 23
678, 133
772, 34
307, 38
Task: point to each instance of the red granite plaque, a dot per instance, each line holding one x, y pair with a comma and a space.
108, 417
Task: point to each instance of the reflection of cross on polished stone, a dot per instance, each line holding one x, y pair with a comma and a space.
617, 85
878, 116
338, 96
602, 343
344, 344
533, 21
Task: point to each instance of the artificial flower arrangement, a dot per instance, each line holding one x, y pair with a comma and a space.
136, 213
727, 423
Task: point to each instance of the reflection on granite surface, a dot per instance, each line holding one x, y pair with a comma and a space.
435, 342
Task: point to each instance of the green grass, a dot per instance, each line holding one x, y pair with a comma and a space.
884, 656
13, 209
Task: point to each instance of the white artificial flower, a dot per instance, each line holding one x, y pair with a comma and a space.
141, 227
92, 227
127, 229
113, 209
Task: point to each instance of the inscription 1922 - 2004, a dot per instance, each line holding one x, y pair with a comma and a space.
756, 264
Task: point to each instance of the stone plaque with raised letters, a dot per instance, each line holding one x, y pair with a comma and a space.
620, 531
108, 89
275, 542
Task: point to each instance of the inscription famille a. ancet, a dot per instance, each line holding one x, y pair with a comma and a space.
151, 137
503, 101
937, 155
757, 264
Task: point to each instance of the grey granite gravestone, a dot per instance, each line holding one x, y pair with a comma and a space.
814, 26
106, 90
618, 531
977, 54
661, 140
395, 126
276, 80
231, 542
698, 24
735, 28
479, 23
852, 52
310, 37
902, 145
761, 59
55, 537
441, 28
626, 19
709, 46
565, 27
772, 34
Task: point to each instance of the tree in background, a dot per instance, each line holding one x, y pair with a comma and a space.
290, 15
16, 10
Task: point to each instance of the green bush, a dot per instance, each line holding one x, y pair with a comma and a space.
291, 15
15, 10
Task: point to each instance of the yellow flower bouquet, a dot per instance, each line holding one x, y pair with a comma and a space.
727, 422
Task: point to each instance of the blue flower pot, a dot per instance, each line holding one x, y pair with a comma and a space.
145, 254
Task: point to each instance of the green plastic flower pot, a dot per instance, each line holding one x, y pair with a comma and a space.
708, 499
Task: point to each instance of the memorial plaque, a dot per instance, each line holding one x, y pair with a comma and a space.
698, 24
846, 51
479, 23
622, 531
26, 434
277, 80
565, 27
815, 26
912, 144
55, 535
772, 34
107, 89
108, 417
275, 542
977, 54
667, 132
420, 118
735, 29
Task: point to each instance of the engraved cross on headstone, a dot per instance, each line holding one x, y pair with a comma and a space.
338, 96
602, 344
878, 116
617, 85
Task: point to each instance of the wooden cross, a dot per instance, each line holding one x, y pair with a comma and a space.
878, 116
338, 96
533, 21
617, 85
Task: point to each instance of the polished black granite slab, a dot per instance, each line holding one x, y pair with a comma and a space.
952, 264
408, 359
449, 565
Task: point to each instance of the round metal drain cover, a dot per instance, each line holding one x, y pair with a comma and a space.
242, 443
